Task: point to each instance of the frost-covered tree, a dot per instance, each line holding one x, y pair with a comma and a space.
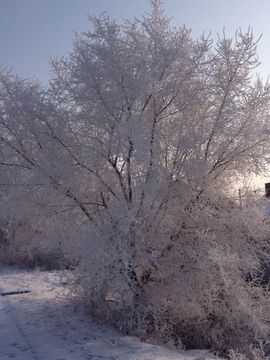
156, 108
139, 137
138, 107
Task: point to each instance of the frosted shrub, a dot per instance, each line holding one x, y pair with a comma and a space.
35, 236
27, 243
190, 285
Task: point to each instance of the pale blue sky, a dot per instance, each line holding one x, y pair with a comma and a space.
32, 31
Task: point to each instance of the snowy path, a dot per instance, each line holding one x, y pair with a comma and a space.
42, 326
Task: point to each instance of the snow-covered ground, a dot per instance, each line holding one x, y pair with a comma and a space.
41, 325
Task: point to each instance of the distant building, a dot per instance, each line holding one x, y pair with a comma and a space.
267, 190
264, 203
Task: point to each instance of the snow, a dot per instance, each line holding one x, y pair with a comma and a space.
42, 325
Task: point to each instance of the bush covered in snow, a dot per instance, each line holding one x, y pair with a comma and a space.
191, 275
